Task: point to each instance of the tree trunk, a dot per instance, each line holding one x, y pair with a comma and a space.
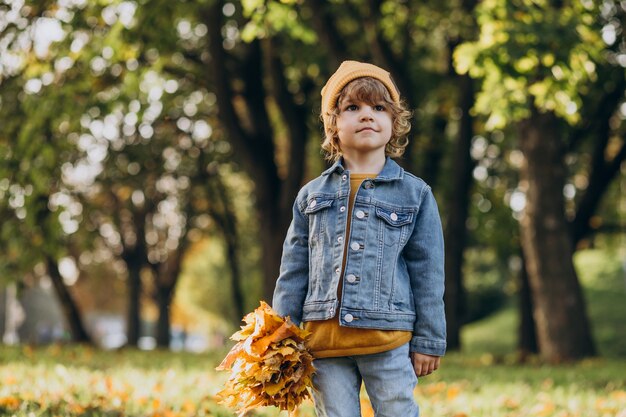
134, 288
164, 296
330, 39
458, 207
135, 259
527, 342
166, 277
228, 224
559, 309
232, 250
68, 305
596, 126
254, 146
273, 229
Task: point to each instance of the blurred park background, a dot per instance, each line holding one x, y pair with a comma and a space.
151, 151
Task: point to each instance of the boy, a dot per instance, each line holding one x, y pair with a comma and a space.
362, 263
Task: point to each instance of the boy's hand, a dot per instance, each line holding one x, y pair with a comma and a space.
424, 364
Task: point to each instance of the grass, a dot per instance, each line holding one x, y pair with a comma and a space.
78, 381
604, 281
483, 381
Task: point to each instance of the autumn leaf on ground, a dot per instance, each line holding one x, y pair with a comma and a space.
269, 366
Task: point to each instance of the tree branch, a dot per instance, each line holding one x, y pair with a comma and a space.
601, 173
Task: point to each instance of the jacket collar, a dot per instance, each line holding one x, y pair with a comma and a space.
391, 170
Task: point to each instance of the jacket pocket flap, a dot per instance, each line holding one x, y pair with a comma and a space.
317, 204
394, 218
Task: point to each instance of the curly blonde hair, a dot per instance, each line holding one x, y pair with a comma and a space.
371, 91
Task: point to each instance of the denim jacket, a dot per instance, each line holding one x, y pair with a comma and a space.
394, 272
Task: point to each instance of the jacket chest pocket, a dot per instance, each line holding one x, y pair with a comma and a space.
393, 225
317, 211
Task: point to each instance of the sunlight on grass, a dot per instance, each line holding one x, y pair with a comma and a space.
59, 381
483, 381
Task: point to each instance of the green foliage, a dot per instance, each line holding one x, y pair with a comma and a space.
270, 17
532, 53
601, 269
32, 151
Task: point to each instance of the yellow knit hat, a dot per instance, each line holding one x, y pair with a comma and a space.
349, 71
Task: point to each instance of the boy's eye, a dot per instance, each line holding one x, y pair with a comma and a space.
379, 107
351, 107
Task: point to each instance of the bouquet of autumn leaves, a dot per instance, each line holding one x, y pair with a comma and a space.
269, 365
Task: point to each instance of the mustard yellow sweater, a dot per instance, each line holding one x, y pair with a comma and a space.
329, 339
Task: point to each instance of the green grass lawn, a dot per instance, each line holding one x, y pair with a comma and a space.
78, 381
483, 381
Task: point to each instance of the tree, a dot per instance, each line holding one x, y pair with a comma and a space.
597, 135
535, 61
128, 165
32, 230
250, 131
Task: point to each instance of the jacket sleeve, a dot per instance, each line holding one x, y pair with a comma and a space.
424, 255
293, 281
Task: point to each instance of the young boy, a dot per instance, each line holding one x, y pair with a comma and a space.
362, 263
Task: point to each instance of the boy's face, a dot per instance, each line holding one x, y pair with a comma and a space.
363, 128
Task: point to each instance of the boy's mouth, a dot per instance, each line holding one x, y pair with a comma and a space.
366, 128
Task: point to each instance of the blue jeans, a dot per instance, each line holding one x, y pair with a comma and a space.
389, 380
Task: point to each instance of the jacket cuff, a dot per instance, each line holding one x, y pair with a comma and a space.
427, 346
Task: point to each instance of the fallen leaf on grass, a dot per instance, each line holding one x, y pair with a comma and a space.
453, 392
511, 403
433, 389
9, 402
619, 395
10, 380
189, 407
543, 409
76, 408
270, 366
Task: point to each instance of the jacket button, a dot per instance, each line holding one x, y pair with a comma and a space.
342, 209
340, 239
312, 203
360, 214
337, 270
344, 177
355, 246
368, 184
351, 278
348, 318
394, 216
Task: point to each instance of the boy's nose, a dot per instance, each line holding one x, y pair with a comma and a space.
366, 114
